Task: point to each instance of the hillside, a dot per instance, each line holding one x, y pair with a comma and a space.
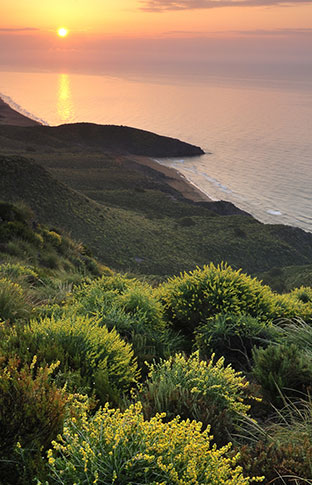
86, 136
134, 241
24, 241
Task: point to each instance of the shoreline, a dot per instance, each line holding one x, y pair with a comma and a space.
10, 116
175, 179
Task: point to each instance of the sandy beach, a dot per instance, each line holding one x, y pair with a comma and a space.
175, 179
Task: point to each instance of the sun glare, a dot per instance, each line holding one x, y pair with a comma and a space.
62, 32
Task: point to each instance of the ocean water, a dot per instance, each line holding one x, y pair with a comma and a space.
256, 131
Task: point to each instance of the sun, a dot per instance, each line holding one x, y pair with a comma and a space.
62, 32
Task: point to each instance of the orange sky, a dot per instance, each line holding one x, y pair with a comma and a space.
127, 17
103, 33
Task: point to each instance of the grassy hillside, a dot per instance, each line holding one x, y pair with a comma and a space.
117, 139
23, 240
165, 237
287, 278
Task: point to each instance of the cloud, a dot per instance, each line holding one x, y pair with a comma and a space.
163, 5
22, 29
255, 32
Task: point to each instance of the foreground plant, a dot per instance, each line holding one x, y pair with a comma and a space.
122, 448
206, 391
32, 411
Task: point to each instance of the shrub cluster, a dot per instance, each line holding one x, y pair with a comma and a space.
92, 358
133, 309
193, 297
196, 389
122, 448
118, 340
190, 299
233, 337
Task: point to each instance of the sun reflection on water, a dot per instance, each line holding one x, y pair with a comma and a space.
65, 105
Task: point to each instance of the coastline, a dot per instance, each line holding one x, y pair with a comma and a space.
9, 116
171, 176
174, 179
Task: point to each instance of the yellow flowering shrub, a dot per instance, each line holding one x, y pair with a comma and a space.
17, 272
100, 356
115, 447
191, 298
92, 358
52, 237
13, 302
303, 294
207, 391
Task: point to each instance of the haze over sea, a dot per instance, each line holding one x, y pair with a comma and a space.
255, 126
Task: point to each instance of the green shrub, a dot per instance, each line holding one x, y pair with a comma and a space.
132, 308
10, 212
282, 370
122, 448
92, 359
13, 302
18, 273
290, 306
31, 415
193, 297
205, 391
233, 336
148, 342
132, 296
50, 260
53, 238
303, 294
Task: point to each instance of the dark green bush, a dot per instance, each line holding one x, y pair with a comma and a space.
50, 260
279, 463
282, 449
17, 212
282, 370
31, 415
233, 336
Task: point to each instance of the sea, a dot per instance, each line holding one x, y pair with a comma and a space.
255, 126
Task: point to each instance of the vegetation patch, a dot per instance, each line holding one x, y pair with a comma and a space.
123, 448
